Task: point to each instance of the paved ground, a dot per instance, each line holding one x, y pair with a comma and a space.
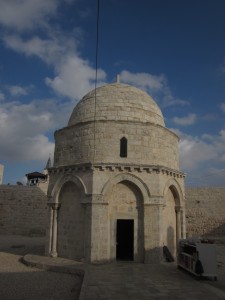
137, 281
20, 282
109, 282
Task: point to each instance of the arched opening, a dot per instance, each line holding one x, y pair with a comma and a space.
169, 223
126, 222
70, 242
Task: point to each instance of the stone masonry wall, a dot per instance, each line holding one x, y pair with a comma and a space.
23, 210
148, 144
205, 212
1, 173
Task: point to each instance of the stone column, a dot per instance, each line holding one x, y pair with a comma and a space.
55, 207
178, 222
183, 223
49, 231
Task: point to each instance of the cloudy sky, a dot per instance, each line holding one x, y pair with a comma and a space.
174, 50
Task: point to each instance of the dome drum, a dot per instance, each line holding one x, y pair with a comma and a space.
147, 144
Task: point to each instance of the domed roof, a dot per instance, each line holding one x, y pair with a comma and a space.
118, 102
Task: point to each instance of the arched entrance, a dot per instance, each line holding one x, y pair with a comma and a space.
169, 223
70, 242
172, 217
126, 221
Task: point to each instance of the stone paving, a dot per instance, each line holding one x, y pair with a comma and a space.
137, 281
120, 280
123, 280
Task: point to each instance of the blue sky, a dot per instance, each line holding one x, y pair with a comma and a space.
174, 50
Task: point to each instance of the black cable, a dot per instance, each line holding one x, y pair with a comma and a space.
96, 69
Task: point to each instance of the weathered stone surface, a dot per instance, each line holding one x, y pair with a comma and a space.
205, 211
1, 173
23, 210
117, 102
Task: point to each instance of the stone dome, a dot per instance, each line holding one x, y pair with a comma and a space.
117, 102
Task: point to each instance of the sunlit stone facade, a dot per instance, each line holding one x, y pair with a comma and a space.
115, 189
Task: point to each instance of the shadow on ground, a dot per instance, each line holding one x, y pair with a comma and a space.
41, 285
20, 282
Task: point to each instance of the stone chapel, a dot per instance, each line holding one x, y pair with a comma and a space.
115, 188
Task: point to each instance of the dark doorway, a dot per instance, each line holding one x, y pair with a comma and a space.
125, 240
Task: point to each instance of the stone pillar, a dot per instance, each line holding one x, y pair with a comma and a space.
48, 242
183, 223
87, 232
178, 222
55, 207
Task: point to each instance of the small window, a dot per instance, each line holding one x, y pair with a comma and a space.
123, 147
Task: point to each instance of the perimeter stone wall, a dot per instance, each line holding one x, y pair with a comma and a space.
205, 212
23, 210
1, 173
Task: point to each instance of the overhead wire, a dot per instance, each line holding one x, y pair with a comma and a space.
96, 75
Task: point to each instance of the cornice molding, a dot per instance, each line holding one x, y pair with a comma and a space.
114, 167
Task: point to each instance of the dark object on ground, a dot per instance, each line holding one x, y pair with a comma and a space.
166, 253
199, 268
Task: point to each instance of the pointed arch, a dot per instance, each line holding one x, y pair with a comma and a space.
62, 180
175, 188
130, 178
174, 215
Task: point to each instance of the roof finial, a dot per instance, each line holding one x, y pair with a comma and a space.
117, 78
49, 163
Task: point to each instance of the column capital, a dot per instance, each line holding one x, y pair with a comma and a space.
178, 209
54, 206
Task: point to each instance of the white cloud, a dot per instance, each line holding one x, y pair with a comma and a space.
75, 78
26, 14
190, 119
24, 128
2, 96
156, 85
200, 152
222, 107
194, 151
222, 134
50, 50
74, 75
39, 147
16, 90
144, 80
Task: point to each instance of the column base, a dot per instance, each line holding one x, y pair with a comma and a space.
54, 254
